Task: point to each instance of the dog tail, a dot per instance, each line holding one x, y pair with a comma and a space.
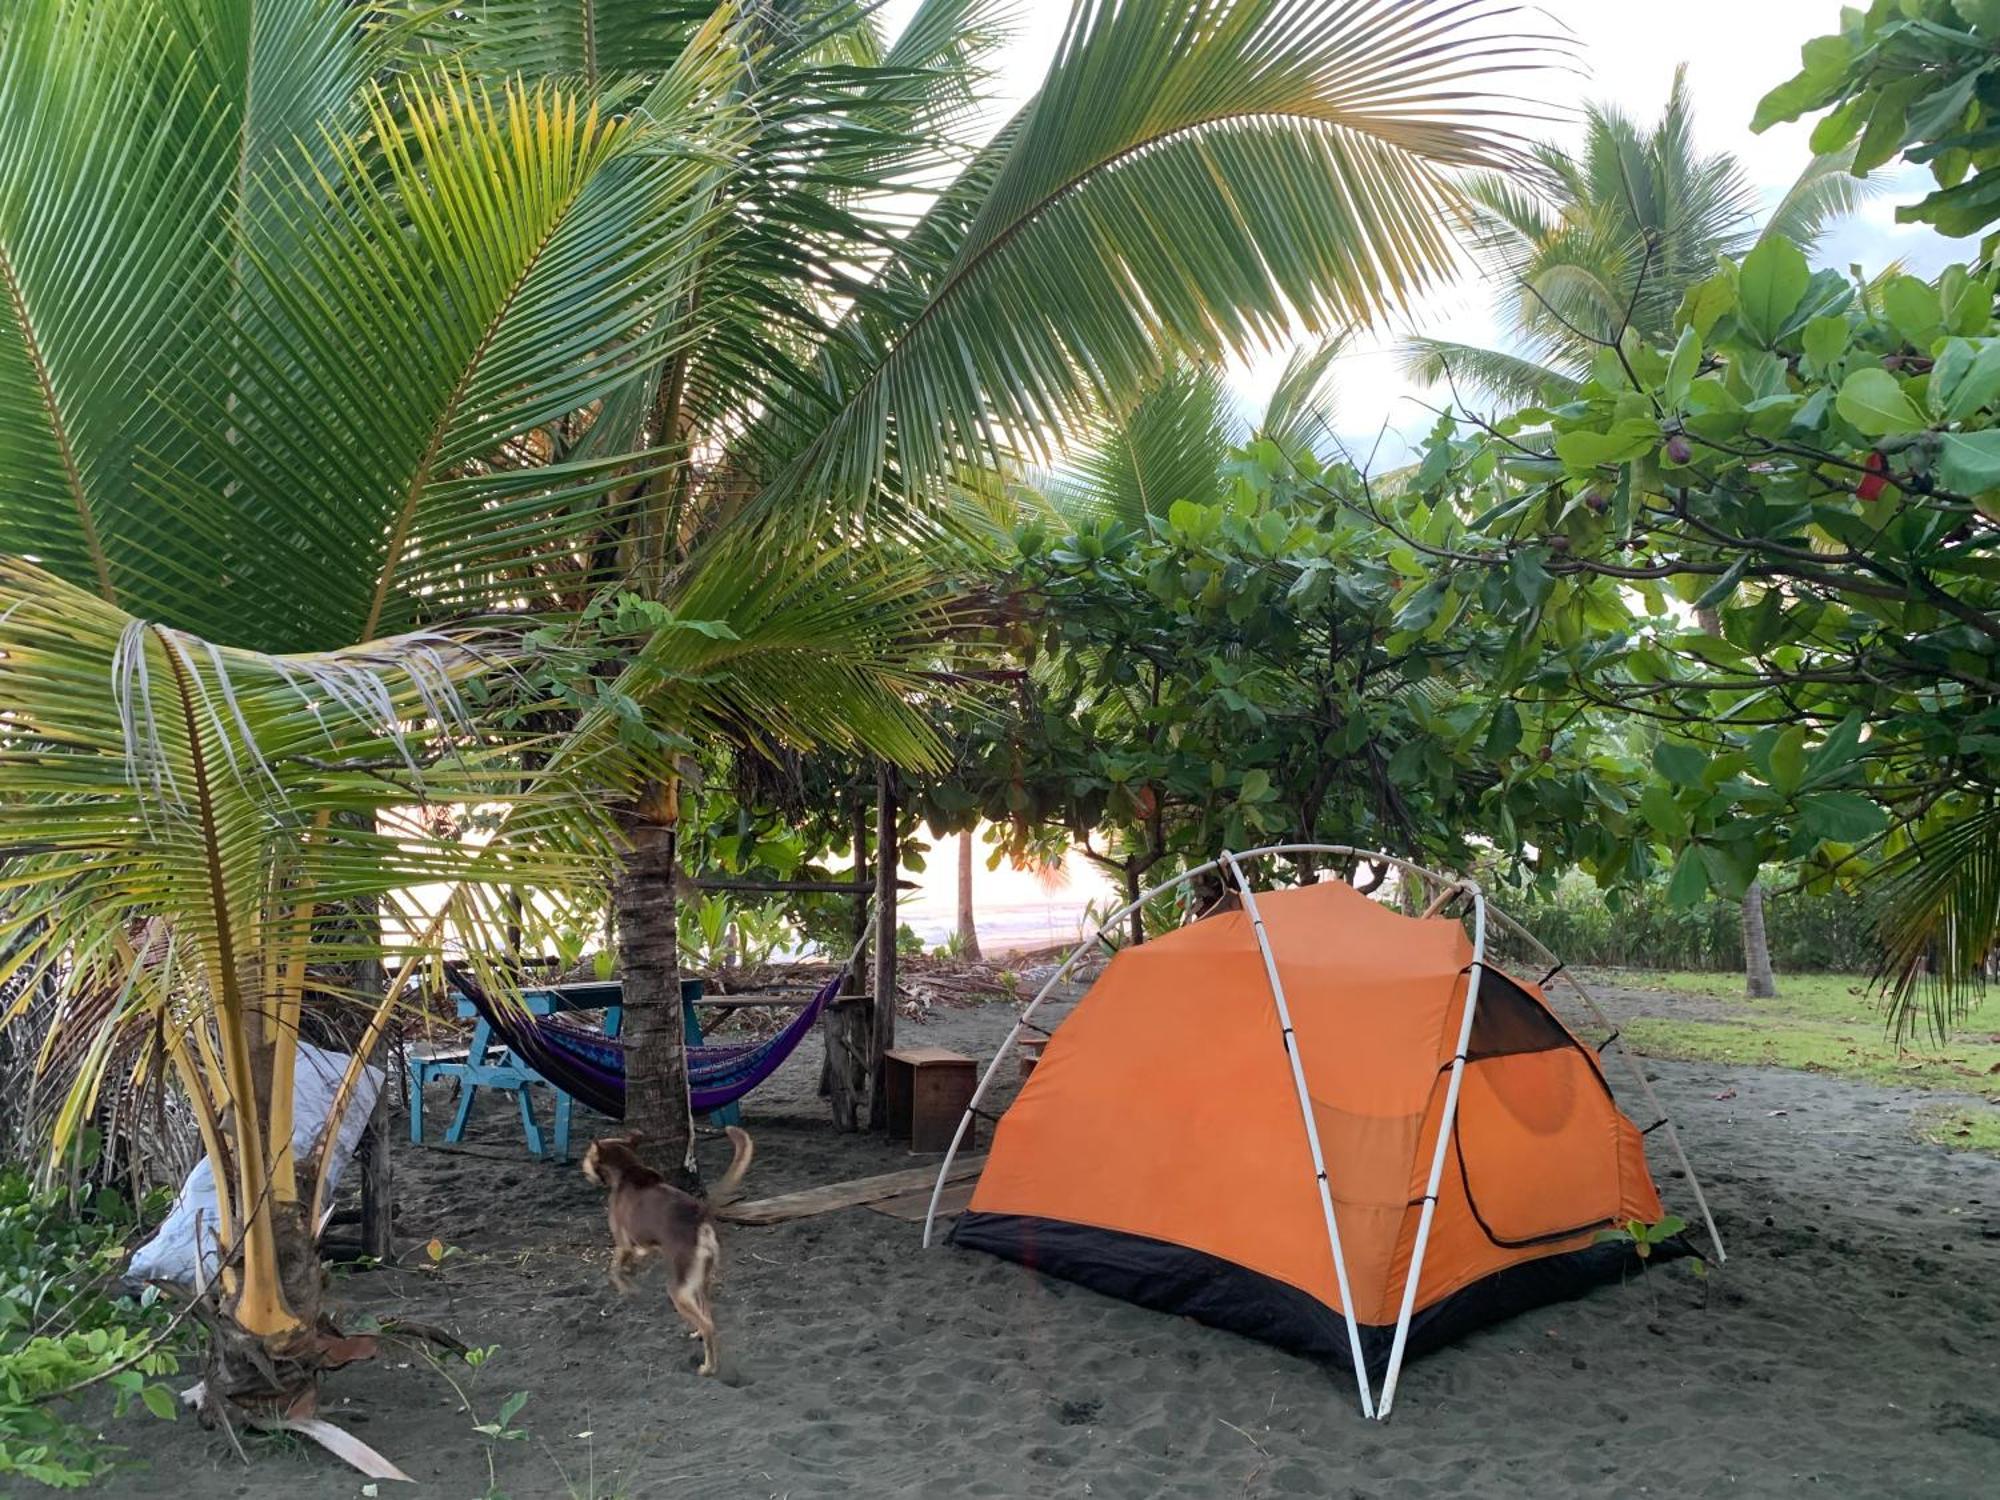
741, 1152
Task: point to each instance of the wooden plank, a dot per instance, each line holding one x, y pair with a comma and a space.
911, 1207
751, 1002
850, 1194
919, 1057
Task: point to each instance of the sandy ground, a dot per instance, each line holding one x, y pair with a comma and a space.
1848, 1348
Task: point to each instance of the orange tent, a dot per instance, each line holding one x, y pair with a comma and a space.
1160, 1152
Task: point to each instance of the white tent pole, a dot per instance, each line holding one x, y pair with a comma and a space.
1437, 1156
1632, 1066
1014, 1032
1312, 1132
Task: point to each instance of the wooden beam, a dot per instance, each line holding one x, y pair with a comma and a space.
853, 889
850, 1194
888, 864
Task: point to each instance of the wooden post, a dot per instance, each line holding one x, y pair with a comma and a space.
378, 1185
888, 862
844, 1074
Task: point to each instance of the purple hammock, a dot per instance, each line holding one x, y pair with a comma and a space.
590, 1066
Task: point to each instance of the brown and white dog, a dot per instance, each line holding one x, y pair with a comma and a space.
649, 1215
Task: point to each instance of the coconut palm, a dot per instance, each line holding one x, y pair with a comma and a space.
1612, 235
328, 334
1192, 179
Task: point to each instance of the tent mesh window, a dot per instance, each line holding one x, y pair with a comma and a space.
1509, 1020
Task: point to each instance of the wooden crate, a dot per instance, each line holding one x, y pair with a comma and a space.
925, 1091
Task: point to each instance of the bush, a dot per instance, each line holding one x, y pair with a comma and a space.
62, 1323
1641, 930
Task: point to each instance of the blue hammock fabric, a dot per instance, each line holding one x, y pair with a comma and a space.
590, 1066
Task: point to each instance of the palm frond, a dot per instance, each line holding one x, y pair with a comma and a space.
1940, 918
1168, 445
496, 265
1825, 191
1511, 378
1301, 410
112, 167
1191, 180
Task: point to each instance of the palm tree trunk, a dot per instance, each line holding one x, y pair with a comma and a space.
1759, 983
968, 930
656, 1081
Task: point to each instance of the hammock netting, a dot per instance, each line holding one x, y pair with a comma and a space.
590, 1066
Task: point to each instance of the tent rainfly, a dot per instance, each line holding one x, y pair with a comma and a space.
1320, 1122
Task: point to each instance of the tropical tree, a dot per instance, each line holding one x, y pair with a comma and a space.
1610, 236
1818, 464
1614, 238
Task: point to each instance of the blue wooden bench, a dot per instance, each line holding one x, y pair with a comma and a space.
486, 1064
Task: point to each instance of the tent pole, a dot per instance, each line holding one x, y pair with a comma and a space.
1437, 1156
1632, 1066
1014, 1032
1312, 1133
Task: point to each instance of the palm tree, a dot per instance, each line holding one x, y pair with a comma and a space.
1192, 179
326, 333
286, 359
1612, 236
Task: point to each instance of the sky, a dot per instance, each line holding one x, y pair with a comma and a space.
1735, 51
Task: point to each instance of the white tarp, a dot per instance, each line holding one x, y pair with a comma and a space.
171, 1254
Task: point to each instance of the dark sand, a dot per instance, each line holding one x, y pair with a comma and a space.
1847, 1349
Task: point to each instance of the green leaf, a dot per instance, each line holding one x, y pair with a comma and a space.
1503, 735
1771, 282
160, 1402
1730, 868
1690, 880
1913, 308
1788, 759
1969, 462
1586, 449
1531, 580
1681, 764
1826, 340
1686, 359
1966, 379
1704, 304
1663, 814
1841, 745
1875, 403
1841, 817
511, 1407
1256, 785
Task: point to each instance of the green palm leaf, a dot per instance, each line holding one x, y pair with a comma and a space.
1190, 180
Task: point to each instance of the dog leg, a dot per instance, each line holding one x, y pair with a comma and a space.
622, 1259
690, 1295
687, 1302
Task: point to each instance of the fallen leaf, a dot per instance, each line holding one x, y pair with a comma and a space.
1774, 1113
1725, 1094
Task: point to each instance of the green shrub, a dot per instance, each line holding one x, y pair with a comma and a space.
1641, 930
62, 1323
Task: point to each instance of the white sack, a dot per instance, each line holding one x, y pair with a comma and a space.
170, 1255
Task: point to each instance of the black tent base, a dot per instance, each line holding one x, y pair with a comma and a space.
1173, 1279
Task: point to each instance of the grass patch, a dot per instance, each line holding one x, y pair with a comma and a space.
1826, 1023
1971, 1129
